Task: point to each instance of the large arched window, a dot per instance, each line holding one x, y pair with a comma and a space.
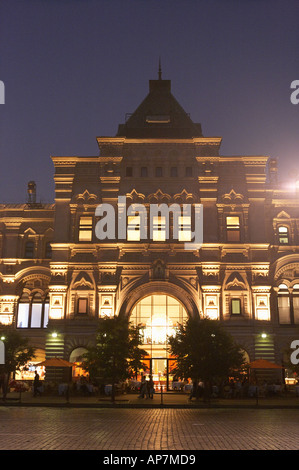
159, 314
34, 312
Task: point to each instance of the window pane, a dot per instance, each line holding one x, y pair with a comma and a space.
185, 228
133, 229
233, 221
159, 228
296, 308
46, 315
85, 229
29, 250
23, 315
82, 306
236, 306
284, 309
36, 315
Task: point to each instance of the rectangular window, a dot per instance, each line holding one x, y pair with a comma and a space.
284, 309
233, 228
129, 171
189, 171
36, 315
23, 315
159, 171
236, 306
159, 229
296, 308
173, 171
185, 229
82, 305
29, 249
46, 314
133, 228
143, 172
85, 229
283, 235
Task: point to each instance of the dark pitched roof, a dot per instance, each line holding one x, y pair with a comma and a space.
159, 116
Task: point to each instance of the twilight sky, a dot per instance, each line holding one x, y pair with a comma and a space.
72, 69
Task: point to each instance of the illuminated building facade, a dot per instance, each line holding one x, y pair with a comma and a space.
56, 276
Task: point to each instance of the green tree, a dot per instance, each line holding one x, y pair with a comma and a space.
17, 353
117, 355
204, 351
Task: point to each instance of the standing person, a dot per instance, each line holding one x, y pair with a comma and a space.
143, 389
151, 387
36, 385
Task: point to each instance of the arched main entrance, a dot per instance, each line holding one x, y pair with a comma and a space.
159, 314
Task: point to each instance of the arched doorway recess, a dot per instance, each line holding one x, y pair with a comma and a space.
159, 314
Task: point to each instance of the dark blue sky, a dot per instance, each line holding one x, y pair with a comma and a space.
72, 69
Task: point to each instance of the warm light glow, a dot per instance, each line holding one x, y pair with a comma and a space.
263, 314
133, 229
56, 313
158, 329
106, 312
264, 335
6, 319
185, 234
159, 229
212, 313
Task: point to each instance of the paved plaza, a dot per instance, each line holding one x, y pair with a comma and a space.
53, 428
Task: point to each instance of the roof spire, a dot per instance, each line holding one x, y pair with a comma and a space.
160, 71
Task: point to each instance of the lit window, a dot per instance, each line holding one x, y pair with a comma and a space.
233, 228
85, 229
33, 314
23, 314
283, 235
82, 305
262, 309
236, 306
159, 228
133, 228
185, 229
284, 310
296, 302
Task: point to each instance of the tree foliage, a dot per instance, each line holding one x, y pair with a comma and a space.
204, 351
17, 353
117, 355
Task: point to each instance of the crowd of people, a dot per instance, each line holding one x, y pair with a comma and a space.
237, 389
147, 389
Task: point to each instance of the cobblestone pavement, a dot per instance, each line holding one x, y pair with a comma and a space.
23, 428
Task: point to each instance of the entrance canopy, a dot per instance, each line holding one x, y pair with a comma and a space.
55, 362
263, 364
